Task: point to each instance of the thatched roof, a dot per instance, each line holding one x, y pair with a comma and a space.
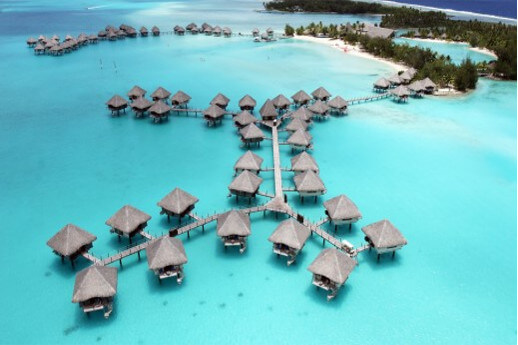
384, 234
376, 31
141, 104
247, 101
155, 29
220, 100
165, 251
177, 201
400, 91
405, 76
244, 118
161, 93
416, 86
268, 109
136, 91
246, 182
428, 83
411, 72
95, 281
302, 113
319, 107
128, 219
32, 40
143, 30
117, 102
227, 30
333, 264
39, 47
303, 162
249, 161
395, 79
191, 26
281, 101
214, 112
300, 138
159, 108
301, 97
233, 223
341, 207
180, 97
217, 30
290, 233
382, 83
308, 181
296, 124
251, 132
338, 103
320, 93
70, 239
255, 31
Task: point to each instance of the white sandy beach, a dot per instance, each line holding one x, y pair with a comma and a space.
351, 50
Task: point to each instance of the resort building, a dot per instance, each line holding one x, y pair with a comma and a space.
301, 98
330, 269
246, 184
250, 162
247, 103
180, 99
177, 203
267, 111
321, 94
155, 31
116, 104
234, 227
160, 94
251, 134
166, 257
429, 85
289, 238
319, 109
70, 242
128, 222
136, 92
296, 124
384, 237
338, 105
95, 288
381, 85
143, 31
341, 210
221, 101
159, 111
309, 183
303, 162
303, 114
31, 41
244, 119
300, 140
417, 88
213, 115
281, 102
395, 80
400, 93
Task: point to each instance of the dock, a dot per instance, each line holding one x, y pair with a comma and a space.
369, 98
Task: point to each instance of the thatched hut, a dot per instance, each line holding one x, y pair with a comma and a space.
303, 114
31, 42
338, 105
281, 102
116, 104
321, 94
56, 50
319, 109
112, 36
269, 32
95, 288
289, 238
341, 210
330, 269
159, 110
128, 221
39, 49
70, 242
143, 31
417, 88
296, 124
300, 140
255, 32
250, 162
303, 162
155, 31
102, 34
246, 184
301, 98
247, 103
180, 99
208, 30
243, 119
384, 237
227, 32
268, 112
251, 134
400, 93
160, 94
136, 92
234, 227
93, 38
179, 30
191, 26
309, 183
381, 85
216, 31
221, 101
213, 115
395, 80
140, 106
429, 85
177, 203
166, 257
405, 77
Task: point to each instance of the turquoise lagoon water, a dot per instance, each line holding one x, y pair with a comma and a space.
443, 170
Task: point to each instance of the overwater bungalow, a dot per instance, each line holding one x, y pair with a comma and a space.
136, 92
166, 257
405, 77
289, 238
296, 124
191, 26
112, 36
116, 104
217, 31
400, 93
227, 32
395, 80
338, 105
93, 38
303, 114
205, 25
130, 32
195, 30
94, 289
251, 134
155, 31
208, 31
180, 99
69, 38
268, 112
143, 31
255, 32
330, 269
417, 88
31, 42
213, 115
250, 162
221, 101
55, 38
269, 32
102, 35
303, 162
233, 228
429, 85
160, 94
384, 237
246, 184
341, 210
309, 183
70, 242
301, 98
121, 34
300, 140
243, 119
281, 102
140, 106
247, 103
159, 110
381, 85
319, 109
177, 203
127, 222
179, 30
56, 50
321, 94
42, 39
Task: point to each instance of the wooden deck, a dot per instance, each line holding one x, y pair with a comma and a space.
369, 98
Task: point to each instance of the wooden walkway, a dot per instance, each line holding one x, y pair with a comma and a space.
376, 97
119, 256
92, 258
276, 163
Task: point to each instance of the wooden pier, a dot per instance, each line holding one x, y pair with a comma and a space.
370, 98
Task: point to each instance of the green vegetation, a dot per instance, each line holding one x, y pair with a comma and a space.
336, 6
289, 30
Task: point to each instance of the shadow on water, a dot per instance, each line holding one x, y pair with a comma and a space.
65, 269
229, 253
165, 286
386, 261
319, 296
91, 320
280, 262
